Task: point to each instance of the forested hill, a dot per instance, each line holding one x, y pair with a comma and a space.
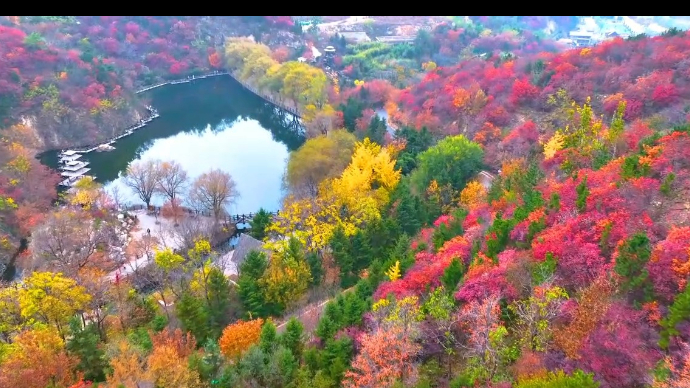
484, 97
396, 260
71, 79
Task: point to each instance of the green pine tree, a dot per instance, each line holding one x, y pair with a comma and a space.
631, 263
293, 337
218, 303
259, 224
339, 246
361, 252
452, 275
250, 292
193, 315
85, 344
582, 194
677, 313
268, 340
315, 267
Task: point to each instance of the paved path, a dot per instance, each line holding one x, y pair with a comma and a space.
158, 233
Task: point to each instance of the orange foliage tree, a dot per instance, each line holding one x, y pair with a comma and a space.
38, 361
239, 336
214, 60
385, 358
473, 194
592, 306
167, 367
127, 368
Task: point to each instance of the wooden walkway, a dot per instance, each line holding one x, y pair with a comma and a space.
267, 97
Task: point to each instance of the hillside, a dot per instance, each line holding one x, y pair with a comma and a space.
651, 75
72, 79
566, 264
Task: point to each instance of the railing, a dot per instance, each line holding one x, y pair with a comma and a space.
153, 113
231, 219
181, 81
267, 97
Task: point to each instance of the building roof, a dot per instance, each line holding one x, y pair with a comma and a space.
245, 245
395, 39
357, 36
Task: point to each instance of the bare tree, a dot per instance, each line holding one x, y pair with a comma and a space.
214, 190
172, 179
116, 196
190, 229
171, 183
70, 240
143, 178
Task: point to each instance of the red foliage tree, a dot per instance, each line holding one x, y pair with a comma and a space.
622, 351
523, 92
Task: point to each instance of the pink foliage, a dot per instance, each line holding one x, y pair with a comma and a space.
521, 140
668, 257
622, 351
486, 279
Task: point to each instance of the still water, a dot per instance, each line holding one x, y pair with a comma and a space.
206, 124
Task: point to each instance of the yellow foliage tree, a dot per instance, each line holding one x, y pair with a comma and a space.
51, 298
429, 66
554, 145
474, 193
285, 281
239, 336
393, 272
10, 311
127, 368
86, 193
350, 200
168, 368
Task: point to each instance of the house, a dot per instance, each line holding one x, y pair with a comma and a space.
396, 39
355, 36
581, 38
246, 244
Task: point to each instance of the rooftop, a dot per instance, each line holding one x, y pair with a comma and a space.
395, 39
356, 36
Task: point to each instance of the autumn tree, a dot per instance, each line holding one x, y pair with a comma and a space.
168, 363
487, 343
214, 190
70, 241
172, 179
127, 368
143, 178
51, 298
170, 264
239, 336
236, 49
351, 200
301, 83
592, 306
473, 194
38, 360
535, 316
386, 356
288, 276
319, 158
86, 193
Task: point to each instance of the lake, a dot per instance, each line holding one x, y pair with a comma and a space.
205, 124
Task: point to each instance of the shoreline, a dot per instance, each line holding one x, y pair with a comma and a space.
91, 147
